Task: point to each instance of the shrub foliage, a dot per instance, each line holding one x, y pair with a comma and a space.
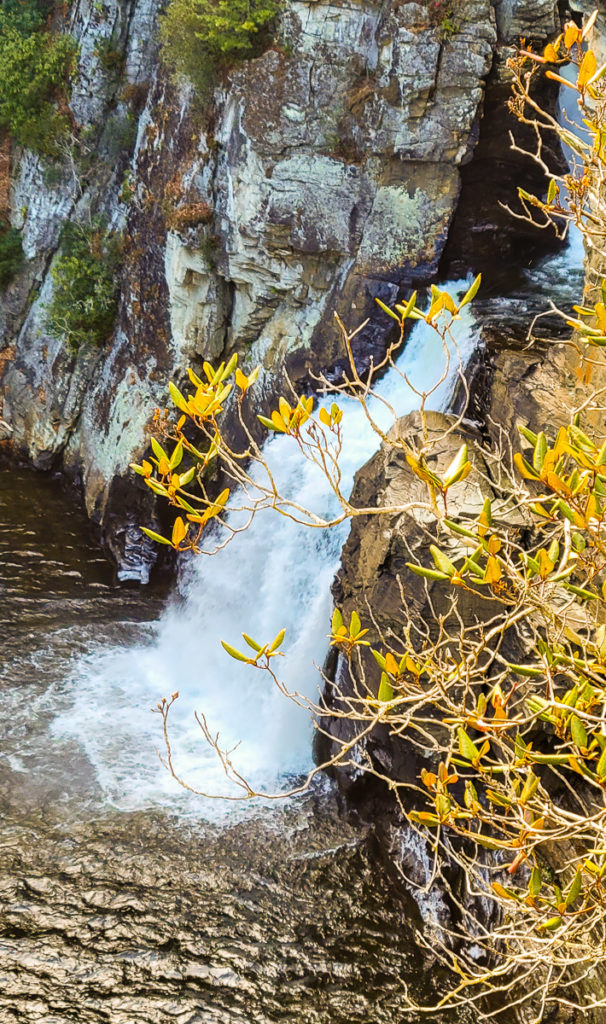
202, 36
85, 294
11, 254
34, 71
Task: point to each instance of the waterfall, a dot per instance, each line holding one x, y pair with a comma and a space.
274, 575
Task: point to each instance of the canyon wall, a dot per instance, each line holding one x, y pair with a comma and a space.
322, 174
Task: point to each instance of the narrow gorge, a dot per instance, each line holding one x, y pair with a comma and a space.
360, 153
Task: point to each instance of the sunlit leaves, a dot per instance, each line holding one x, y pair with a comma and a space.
442, 303
262, 653
288, 419
347, 637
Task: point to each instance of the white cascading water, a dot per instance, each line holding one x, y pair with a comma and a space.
275, 575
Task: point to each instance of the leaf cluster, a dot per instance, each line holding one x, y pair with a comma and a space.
84, 304
201, 37
11, 254
35, 67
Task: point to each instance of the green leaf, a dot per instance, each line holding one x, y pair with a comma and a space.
526, 670
535, 883
155, 536
529, 435
337, 621
586, 595
578, 732
158, 450
429, 574
277, 642
456, 466
233, 653
177, 397
575, 888
471, 292
550, 925
252, 643
406, 310
530, 787
176, 457
540, 451
385, 689
354, 624
441, 561
456, 528
266, 423
467, 747
387, 310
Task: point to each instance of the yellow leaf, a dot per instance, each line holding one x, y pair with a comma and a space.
493, 571
587, 69
550, 53
435, 308
391, 665
524, 468
545, 563
324, 417
494, 545
278, 422
241, 380
179, 531
572, 34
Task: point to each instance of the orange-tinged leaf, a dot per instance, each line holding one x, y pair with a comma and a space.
391, 665
557, 484
494, 545
545, 564
587, 69
179, 531
278, 422
550, 53
524, 468
493, 571
572, 34
241, 380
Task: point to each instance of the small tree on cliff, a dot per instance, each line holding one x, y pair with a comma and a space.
200, 37
515, 788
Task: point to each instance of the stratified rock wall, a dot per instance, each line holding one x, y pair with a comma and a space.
325, 173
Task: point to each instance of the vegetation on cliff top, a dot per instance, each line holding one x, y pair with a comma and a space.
35, 67
200, 37
513, 791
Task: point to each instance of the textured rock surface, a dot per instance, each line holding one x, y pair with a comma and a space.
332, 173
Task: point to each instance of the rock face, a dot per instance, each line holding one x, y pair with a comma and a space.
326, 173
